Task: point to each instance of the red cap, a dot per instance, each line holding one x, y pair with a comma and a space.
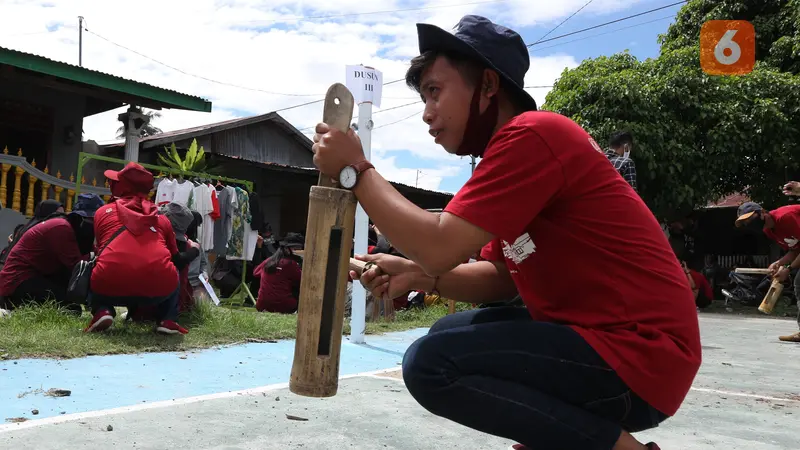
134, 175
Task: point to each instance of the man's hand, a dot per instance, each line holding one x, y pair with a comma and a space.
791, 188
773, 268
782, 274
397, 275
193, 244
334, 150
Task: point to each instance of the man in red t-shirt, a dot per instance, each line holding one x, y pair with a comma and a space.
782, 225
609, 341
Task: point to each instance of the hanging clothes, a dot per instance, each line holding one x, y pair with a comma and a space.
165, 192
221, 236
258, 223
240, 226
182, 192
209, 219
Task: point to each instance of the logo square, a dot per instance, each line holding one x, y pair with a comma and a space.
727, 47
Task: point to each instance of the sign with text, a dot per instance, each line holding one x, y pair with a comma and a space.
727, 47
365, 83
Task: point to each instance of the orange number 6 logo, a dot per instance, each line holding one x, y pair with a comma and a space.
727, 47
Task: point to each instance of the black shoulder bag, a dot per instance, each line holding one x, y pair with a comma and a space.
78, 288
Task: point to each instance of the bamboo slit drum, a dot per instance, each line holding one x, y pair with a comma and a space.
773, 294
329, 241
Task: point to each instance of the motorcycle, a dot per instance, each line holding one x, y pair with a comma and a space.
750, 289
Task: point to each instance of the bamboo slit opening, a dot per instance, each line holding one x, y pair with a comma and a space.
329, 292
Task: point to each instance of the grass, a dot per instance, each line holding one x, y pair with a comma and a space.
46, 332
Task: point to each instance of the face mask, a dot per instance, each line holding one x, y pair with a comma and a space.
627, 152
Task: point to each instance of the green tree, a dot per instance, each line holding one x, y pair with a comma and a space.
698, 137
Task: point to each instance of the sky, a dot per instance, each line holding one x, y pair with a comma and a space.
250, 57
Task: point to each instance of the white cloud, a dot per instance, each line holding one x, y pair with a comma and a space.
267, 44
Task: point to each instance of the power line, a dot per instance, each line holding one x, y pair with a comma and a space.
337, 16
354, 117
602, 34
608, 23
563, 21
398, 121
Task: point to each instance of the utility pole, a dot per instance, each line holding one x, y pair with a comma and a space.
80, 41
417, 183
472, 163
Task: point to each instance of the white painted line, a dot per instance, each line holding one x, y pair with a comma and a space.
5, 428
743, 394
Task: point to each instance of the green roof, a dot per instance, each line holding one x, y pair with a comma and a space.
126, 88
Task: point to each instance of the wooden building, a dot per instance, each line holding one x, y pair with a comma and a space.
42, 106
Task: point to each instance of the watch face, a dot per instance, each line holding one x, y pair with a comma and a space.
348, 177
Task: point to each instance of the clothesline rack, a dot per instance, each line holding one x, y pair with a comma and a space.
84, 158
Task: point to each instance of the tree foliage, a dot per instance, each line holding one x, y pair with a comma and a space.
697, 137
148, 130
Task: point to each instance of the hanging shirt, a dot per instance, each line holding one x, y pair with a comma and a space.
165, 192
183, 191
209, 195
558, 208
241, 215
221, 228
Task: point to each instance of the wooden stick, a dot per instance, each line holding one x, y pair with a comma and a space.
329, 240
754, 271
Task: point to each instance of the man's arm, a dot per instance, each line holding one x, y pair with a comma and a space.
437, 244
478, 282
791, 257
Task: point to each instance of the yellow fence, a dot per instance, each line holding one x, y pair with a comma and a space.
22, 179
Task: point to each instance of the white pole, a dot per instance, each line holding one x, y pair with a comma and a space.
359, 304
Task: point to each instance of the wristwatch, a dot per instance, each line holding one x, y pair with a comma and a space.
348, 177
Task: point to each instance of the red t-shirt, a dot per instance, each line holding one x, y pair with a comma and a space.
44, 250
276, 290
584, 250
702, 284
787, 227
135, 266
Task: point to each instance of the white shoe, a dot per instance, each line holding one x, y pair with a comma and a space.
4, 313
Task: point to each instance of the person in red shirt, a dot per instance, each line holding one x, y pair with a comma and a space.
136, 267
40, 260
279, 288
586, 363
782, 225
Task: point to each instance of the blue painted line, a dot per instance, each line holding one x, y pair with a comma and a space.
104, 382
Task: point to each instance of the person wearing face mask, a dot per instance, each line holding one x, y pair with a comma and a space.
619, 154
579, 368
782, 225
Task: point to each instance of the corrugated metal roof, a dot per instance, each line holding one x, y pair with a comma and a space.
40, 64
729, 201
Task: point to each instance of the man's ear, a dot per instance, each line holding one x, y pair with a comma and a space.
491, 82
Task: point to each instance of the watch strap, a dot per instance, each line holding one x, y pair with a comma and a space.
362, 166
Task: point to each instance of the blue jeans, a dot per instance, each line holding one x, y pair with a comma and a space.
166, 307
498, 371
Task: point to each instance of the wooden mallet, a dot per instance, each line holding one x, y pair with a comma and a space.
773, 294
329, 240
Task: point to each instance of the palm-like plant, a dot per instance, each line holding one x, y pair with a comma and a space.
148, 130
193, 161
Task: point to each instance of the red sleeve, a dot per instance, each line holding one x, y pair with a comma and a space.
62, 240
169, 234
493, 251
215, 205
517, 178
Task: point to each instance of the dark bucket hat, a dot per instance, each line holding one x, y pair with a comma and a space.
499, 48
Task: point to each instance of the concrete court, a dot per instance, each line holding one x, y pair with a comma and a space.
747, 396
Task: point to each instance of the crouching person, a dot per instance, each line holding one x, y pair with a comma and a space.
135, 267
